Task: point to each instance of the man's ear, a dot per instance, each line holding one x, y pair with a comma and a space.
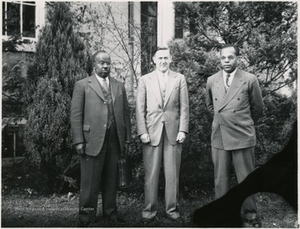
154, 59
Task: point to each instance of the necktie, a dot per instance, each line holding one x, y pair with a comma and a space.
165, 80
227, 80
105, 85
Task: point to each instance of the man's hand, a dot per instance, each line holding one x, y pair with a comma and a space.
80, 149
145, 138
180, 137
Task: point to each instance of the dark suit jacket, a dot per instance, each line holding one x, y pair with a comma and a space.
152, 115
89, 114
234, 111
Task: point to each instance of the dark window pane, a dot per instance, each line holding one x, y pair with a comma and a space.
28, 21
13, 19
3, 19
148, 34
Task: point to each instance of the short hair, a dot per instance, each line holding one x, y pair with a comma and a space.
161, 48
237, 50
98, 52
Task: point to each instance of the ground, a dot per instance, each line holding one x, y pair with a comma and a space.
25, 204
32, 210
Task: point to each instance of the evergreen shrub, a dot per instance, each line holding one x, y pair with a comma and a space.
61, 58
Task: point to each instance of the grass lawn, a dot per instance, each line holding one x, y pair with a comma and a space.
24, 204
32, 210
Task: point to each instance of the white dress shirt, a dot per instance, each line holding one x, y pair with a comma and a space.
230, 78
162, 77
100, 80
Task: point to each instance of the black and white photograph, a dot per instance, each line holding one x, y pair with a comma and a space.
149, 114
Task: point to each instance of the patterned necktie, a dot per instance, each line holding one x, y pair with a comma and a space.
227, 80
104, 84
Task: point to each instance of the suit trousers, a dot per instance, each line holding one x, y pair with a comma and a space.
244, 163
152, 157
97, 172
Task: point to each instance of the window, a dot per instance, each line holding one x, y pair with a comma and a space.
19, 18
148, 34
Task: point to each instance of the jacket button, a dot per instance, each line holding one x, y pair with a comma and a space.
216, 99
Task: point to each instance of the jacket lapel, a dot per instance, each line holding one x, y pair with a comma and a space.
220, 87
95, 85
114, 88
170, 86
155, 87
237, 83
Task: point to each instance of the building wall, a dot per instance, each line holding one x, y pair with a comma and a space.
165, 22
106, 25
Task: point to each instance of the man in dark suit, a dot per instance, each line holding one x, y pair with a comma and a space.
100, 122
162, 113
235, 99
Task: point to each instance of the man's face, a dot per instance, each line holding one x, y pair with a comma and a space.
162, 59
102, 64
228, 59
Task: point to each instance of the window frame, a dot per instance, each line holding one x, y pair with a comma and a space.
39, 17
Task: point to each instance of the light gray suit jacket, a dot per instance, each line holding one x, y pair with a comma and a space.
235, 111
152, 114
89, 113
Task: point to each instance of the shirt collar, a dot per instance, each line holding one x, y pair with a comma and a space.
231, 74
100, 79
159, 73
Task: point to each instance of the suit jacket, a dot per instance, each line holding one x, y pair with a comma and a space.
152, 114
89, 113
235, 111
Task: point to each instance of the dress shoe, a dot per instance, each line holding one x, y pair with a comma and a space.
175, 216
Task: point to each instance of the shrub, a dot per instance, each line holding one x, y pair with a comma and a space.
60, 60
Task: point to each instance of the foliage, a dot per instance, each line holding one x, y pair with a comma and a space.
12, 72
270, 56
196, 65
104, 31
60, 60
12, 84
123, 40
274, 128
266, 33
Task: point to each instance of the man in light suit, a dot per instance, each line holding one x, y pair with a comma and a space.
162, 113
100, 122
234, 97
